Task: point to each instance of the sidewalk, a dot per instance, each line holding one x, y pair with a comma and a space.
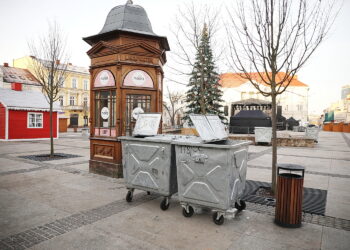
60, 205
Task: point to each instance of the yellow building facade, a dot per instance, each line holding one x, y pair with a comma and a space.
74, 95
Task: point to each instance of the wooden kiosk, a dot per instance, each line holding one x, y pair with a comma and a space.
126, 78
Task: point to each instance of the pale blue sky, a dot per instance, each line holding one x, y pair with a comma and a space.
21, 20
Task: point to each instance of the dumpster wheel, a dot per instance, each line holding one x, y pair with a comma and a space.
240, 207
218, 221
129, 196
164, 205
188, 213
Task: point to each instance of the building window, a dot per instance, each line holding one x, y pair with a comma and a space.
35, 120
300, 107
74, 83
105, 109
86, 84
72, 101
61, 100
85, 102
61, 81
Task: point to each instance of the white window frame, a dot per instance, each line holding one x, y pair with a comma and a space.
35, 113
61, 100
87, 101
61, 81
75, 81
86, 84
70, 100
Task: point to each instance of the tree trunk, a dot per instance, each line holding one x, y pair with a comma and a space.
274, 143
51, 131
202, 100
173, 121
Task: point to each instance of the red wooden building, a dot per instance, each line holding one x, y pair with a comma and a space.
24, 114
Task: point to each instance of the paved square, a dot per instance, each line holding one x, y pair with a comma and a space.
60, 205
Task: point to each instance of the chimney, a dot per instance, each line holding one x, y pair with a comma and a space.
6, 64
16, 86
57, 62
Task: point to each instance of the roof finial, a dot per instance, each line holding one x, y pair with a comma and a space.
129, 2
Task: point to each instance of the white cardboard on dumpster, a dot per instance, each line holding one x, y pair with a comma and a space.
209, 128
147, 124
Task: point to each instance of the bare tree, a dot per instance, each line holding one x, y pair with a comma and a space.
49, 65
186, 31
275, 38
173, 105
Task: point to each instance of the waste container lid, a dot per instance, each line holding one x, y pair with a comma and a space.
293, 167
209, 127
147, 124
265, 128
198, 142
170, 137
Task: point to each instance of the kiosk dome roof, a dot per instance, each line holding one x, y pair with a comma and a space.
128, 17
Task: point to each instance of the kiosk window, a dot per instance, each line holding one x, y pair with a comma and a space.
105, 109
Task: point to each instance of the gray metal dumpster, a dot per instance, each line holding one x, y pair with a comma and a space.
149, 162
296, 128
263, 134
211, 172
312, 132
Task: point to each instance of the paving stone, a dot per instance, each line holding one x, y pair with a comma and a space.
112, 223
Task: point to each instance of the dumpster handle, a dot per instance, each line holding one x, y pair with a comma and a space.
163, 152
235, 161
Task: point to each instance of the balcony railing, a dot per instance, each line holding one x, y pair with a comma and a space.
75, 107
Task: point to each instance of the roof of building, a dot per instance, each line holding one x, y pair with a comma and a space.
252, 101
78, 69
233, 80
11, 74
68, 66
25, 100
251, 114
129, 18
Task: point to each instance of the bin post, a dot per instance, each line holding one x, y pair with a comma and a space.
289, 201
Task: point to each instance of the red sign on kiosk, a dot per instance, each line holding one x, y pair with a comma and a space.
104, 79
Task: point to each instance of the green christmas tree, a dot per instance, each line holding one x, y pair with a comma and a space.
204, 95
